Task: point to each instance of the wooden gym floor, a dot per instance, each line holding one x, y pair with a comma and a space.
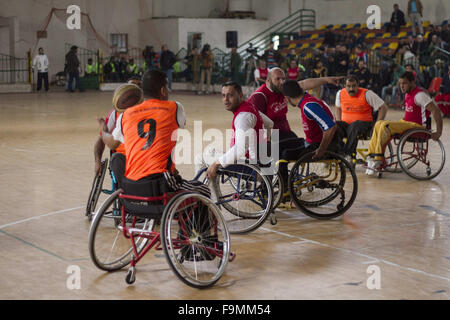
396, 223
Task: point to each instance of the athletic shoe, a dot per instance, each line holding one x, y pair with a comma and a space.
372, 166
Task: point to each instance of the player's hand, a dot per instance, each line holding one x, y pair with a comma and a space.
98, 167
435, 135
212, 170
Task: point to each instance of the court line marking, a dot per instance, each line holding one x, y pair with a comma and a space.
370, 258
38, 217
32, 245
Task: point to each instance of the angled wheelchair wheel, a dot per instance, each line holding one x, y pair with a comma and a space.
245, 195
323, 188
195, 239
96, 190
420, 157
108, 248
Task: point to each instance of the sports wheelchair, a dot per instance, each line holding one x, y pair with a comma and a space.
322, 188
413, 152
187, 226
245, 194
96, 189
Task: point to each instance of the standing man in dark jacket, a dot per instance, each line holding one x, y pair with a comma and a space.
397, 19
73, 65
167, 61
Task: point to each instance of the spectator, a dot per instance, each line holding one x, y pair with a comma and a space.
329, 39
415, 15
410, 42
410, 68
123, 69
73, 65
420, 46
319, 71
363, 75
272, 57
292, 55
193, 63
90, 69
110, 71
40, 62
261, 73
132, 68
235, 65
342, 61
397, 70
167, 61
207, 60
397, 19
361, 54
149, 56
293, 71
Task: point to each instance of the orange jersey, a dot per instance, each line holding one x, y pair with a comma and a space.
148, 130
355, 108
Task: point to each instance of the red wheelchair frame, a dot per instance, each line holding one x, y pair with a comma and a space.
159, 239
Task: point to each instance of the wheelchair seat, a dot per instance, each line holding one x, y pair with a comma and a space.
155, 188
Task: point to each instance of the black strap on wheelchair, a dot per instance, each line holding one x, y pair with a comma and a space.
152, 186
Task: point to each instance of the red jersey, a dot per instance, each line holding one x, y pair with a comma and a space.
263, 73
273, 105
414, 112
247, 107
292, 73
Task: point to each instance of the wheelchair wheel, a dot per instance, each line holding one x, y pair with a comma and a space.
323, 188
419, 156
96, 190
278, 188
195, 239
245, 194
109, 249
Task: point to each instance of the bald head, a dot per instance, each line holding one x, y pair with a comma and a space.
275, 79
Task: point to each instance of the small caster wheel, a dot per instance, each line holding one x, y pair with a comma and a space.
273, 219
131, 276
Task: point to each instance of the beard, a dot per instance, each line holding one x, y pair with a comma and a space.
273, 87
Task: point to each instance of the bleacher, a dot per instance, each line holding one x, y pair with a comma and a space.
373, 39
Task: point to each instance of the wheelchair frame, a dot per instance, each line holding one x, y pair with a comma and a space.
159, 239
397, 163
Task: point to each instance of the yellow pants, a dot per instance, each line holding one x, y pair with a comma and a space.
383, 130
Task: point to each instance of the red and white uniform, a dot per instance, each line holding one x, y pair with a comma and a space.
273, 105
292, 73
247, 122
415, 106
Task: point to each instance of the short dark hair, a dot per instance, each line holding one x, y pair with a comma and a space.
352, 78
233, 84
292, 89
152, 82
408, 76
